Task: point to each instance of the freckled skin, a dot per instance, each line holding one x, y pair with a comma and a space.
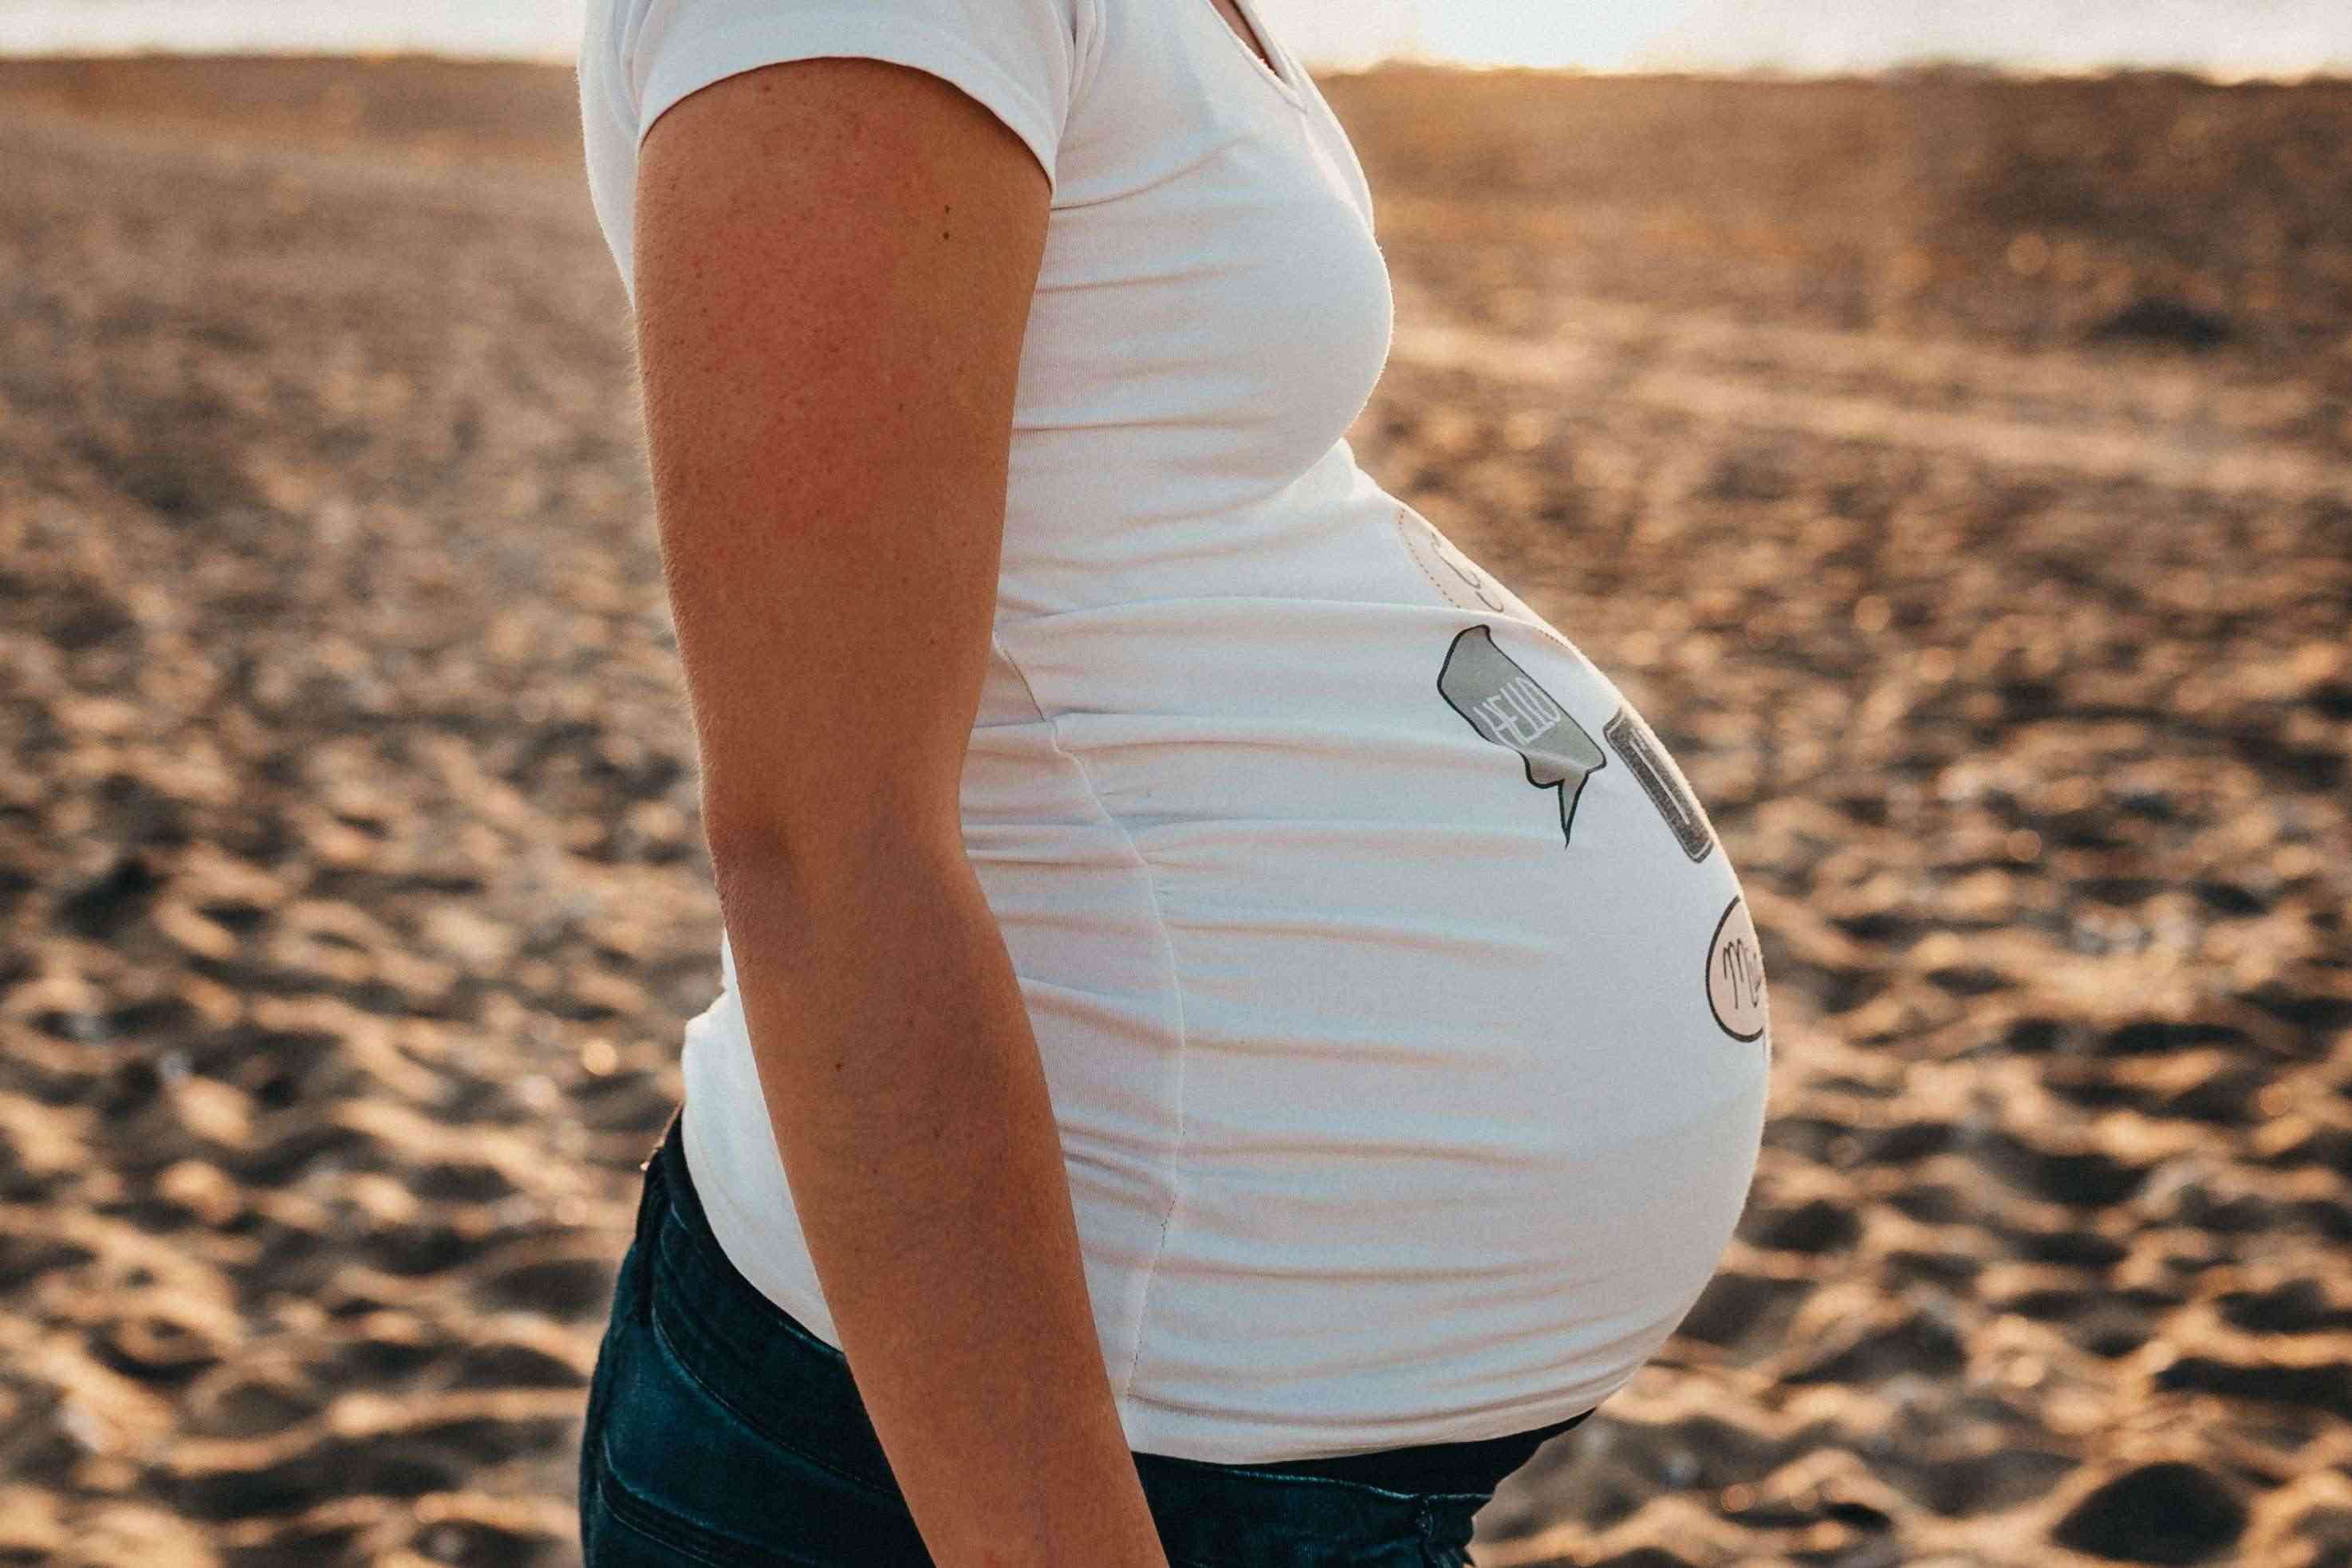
828, 402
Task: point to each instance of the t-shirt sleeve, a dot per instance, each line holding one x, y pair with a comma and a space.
1019, 59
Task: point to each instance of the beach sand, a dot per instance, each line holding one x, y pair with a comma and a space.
1959, 472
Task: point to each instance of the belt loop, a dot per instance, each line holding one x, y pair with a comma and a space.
675, 1112
653, 1200
1444, 1542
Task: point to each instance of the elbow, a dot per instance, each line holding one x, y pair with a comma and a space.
815, 861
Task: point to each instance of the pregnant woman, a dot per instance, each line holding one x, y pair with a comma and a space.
1232, 1031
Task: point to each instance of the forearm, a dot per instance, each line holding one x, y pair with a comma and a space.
899, 1069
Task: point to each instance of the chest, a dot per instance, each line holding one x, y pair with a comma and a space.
1211, 258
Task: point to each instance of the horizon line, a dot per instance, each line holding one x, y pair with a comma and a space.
1947, 65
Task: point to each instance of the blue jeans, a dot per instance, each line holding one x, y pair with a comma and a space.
721, 1431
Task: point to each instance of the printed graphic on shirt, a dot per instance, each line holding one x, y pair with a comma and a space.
1735, 973
1504, 703
1662, 781
1458, 579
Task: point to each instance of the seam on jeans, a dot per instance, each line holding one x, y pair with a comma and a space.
634, 1511
704, 1251
1389, 1493
641, 1287
759, 1429
1174, 991
703, 1243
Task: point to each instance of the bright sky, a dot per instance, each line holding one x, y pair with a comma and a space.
2227, 37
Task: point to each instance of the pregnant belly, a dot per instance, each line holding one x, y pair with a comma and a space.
1397, 998
1423, 857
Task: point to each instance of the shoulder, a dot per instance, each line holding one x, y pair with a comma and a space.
1026, 61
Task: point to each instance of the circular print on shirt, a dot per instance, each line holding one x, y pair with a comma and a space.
1734, 974
1462, 583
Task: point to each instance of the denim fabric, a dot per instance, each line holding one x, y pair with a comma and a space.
720, 1431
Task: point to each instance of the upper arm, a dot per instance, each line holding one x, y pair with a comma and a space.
834, 260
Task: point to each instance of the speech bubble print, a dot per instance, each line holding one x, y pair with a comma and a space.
1734, 974
1505, 704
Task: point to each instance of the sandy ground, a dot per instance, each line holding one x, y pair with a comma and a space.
1955, 470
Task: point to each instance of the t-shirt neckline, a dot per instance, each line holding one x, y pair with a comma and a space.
1281, 65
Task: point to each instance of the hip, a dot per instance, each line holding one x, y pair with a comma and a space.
1417, 1259
722, 1430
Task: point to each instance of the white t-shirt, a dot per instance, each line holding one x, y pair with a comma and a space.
1403, 1021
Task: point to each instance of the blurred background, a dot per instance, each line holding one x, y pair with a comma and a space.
2224, 37
1939, 429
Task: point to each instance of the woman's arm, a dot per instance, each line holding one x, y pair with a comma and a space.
834, 260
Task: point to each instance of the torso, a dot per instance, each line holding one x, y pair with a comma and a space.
1405, 1097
